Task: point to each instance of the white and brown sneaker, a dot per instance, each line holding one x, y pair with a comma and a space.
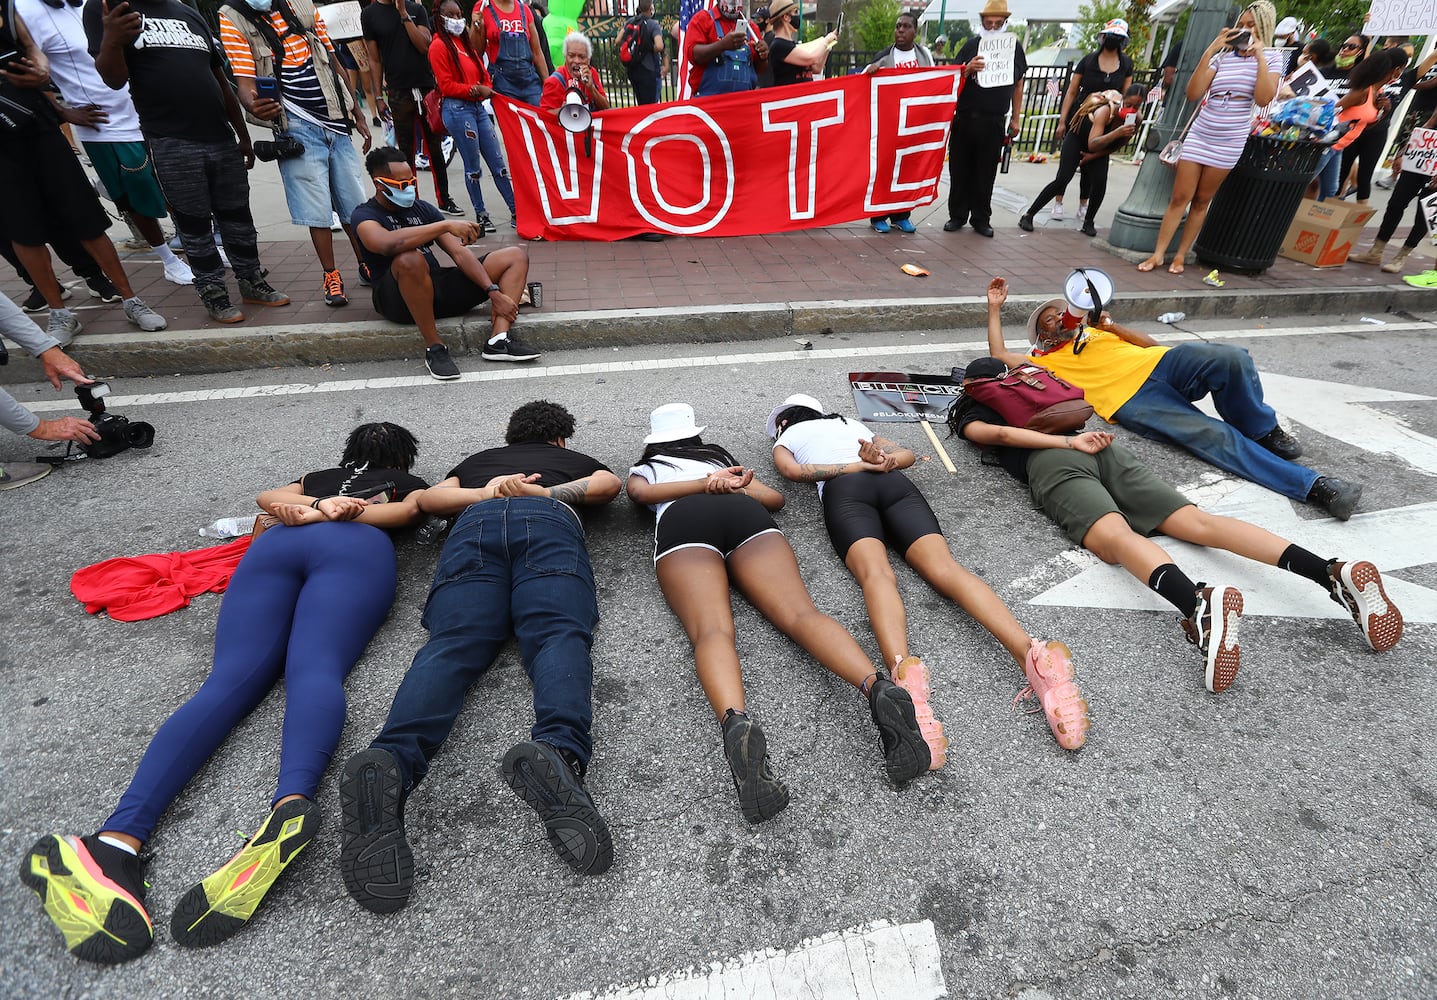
1213, 629
1357, 586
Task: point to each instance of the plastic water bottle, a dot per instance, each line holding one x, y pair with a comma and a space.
229, 527
431, 530
1172, 317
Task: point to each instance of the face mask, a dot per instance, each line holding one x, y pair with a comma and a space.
1112, 43
402, 198
731, 12
263, 6
454, 25
1344, 61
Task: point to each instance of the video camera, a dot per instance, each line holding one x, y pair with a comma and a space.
117, 433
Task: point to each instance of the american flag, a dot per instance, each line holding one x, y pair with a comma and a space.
1052, 89
687, 9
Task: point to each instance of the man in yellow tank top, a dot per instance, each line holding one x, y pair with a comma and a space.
1135, 382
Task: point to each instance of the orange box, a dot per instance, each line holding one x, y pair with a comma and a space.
1324, 233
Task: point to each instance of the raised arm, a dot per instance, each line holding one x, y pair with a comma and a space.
997, 295
119, 26
1126, 332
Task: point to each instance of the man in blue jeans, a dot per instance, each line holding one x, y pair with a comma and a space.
1131, 380
515, 564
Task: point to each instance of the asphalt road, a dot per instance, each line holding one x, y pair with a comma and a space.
1275, 841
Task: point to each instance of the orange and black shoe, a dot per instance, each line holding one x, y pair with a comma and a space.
94, 894
215, 908
334, 289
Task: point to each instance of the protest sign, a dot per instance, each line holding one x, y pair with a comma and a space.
894, 397
998, 54
1401, 17
341, 20
1420, 156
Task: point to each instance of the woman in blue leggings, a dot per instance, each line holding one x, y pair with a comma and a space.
304, 602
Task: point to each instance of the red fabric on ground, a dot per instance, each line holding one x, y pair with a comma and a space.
134, 588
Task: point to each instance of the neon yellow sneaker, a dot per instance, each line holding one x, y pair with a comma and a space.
94, 894
214, 909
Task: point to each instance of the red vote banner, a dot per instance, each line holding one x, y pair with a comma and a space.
788, 158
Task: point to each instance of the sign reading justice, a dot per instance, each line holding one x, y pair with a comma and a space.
744, 164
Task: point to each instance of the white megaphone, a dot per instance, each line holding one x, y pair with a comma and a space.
1088, 291
574, 113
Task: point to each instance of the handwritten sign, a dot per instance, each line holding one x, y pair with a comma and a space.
1429, 212
341, 20
1420, 156
1401, 17
998, 54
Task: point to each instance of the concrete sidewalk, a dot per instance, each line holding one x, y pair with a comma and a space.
842, 279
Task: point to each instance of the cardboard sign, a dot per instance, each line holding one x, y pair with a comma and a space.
1420, 156
1306, 81
999, 55
1429, 212
1401, 17
1324, 232
898, 397
341, 20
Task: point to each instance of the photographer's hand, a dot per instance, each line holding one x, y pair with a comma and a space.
66, 429
60, 365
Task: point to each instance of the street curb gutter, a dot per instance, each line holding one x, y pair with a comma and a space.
230, 349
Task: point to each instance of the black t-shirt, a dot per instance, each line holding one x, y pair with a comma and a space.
785, 73
421, 213
1013, 460
988, 100
171, 71
1424, 102
33, 108
405, 67
1092, 78
645, 62
387, 485
555, 466
1171, 59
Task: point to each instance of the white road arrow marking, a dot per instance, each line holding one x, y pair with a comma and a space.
880, 961
1391, 539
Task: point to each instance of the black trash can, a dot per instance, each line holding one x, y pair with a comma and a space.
1249, 217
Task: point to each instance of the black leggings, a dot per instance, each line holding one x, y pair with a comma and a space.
1094, 185
1366, 149
1409, 188
882, 505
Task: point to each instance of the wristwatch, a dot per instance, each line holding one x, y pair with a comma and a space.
492, 289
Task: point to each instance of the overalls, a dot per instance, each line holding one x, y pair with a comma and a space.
732, 72
513, 69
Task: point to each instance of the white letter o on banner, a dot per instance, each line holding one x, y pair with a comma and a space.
644, 186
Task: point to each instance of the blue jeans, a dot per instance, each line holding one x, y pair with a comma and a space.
477, 144
509, 567
1329, 170
326, 177
1163, 410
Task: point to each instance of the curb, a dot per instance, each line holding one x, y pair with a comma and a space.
310, 345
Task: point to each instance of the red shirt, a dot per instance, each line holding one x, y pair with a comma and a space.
516, 22
557, 85
455, 81
701, 31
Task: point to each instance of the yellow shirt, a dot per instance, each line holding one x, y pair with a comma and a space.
1109, 371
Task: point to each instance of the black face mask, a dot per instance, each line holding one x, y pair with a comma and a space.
57, 4
1112, 43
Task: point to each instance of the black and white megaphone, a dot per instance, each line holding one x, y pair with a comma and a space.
574, 113
1088, 291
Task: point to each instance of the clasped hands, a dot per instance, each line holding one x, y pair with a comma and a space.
326, 509
875, 457
730, 480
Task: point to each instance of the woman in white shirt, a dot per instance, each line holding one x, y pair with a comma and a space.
868, 505
714, 527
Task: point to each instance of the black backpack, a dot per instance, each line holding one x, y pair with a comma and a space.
630, 41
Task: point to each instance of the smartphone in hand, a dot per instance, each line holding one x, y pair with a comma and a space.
266, 88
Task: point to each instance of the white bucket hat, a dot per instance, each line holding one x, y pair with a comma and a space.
672, 422
797, 399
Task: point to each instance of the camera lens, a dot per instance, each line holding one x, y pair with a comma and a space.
140, 434
264, 150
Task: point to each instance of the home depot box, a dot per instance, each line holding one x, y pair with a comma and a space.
1325, 232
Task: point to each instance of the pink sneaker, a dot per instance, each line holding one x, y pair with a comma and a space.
1049, 667
911, 674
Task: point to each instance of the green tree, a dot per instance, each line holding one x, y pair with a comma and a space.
1331, 19
874, 24
1096, 13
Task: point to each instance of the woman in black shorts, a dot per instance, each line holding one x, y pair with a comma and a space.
868, 504
714, 527
1107, 501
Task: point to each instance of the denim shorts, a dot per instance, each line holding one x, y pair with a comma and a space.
326, 178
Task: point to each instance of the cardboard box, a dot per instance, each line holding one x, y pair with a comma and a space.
1324, 233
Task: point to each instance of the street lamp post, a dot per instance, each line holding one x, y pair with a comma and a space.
1135, 227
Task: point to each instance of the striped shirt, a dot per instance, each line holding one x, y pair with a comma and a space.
299, 84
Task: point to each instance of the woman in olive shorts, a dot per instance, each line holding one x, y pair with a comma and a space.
1107, 501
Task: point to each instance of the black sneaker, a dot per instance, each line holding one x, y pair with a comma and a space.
1337, 496
103, 289
761, 795
334, 289
1213, 629
439, 363
216, 908
556, 791
1025, 222
1088, 229
448, 207
510, 348
374, 855
35, 302
1281, 444
485, 224
95, 895
260, 292
905, 751
366, 276
216, 300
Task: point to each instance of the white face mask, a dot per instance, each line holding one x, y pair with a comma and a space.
985, 33
454, 25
